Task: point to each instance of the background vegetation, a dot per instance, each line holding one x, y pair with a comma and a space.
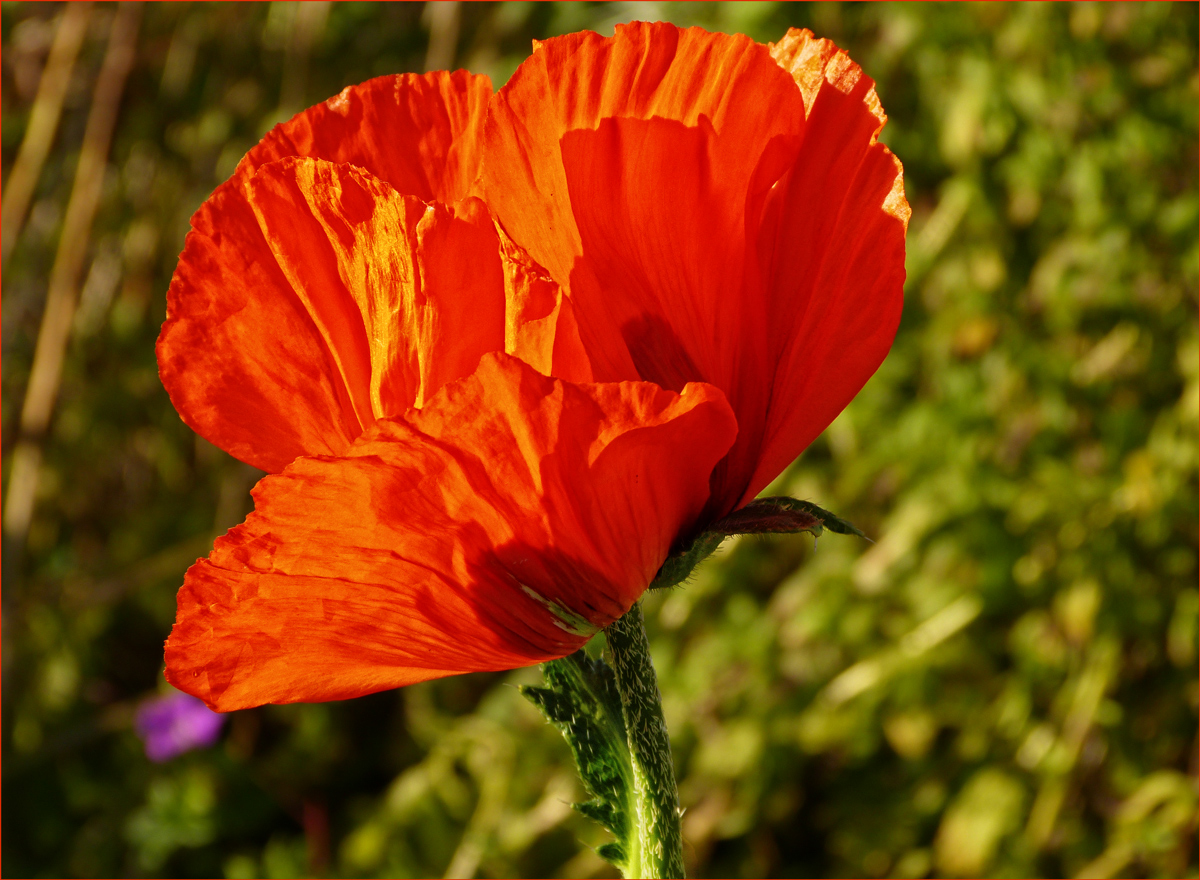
1005, 683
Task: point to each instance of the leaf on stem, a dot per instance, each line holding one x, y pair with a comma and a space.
581, 699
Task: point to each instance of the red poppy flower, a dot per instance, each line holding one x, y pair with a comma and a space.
503, 352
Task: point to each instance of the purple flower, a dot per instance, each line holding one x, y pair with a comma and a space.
175, 724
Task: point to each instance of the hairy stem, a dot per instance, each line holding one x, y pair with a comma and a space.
655, 797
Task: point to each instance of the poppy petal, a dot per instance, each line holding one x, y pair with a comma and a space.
418, 132
268, 397
633, 168
360, 287
646, 71
386, 277
263, 397
832, 244
497, 527
540, 325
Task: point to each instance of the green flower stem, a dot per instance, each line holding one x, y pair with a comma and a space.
655, 796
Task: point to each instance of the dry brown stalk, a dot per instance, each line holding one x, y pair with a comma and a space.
43, 123
62, 293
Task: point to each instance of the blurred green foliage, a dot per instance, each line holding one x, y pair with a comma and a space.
1005, 683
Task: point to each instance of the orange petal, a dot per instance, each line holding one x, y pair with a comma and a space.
539, 324
239, 354
497, 527
832, 246
418, 132
268, 397
317, 299
633, 168
645, 71
389, 280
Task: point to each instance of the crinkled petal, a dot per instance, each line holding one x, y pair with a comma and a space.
646, 71
634, 169
832, 244
267, 397
409, 294
317, 299
499, 526
239, 354
539, 323
419, 132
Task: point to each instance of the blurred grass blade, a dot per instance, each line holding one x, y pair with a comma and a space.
55, 329
43, 123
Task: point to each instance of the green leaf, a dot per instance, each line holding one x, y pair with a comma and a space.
581, 699
763, 516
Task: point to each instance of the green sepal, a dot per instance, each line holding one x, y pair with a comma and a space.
824, 518
581, 699
677, 567
763, 516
